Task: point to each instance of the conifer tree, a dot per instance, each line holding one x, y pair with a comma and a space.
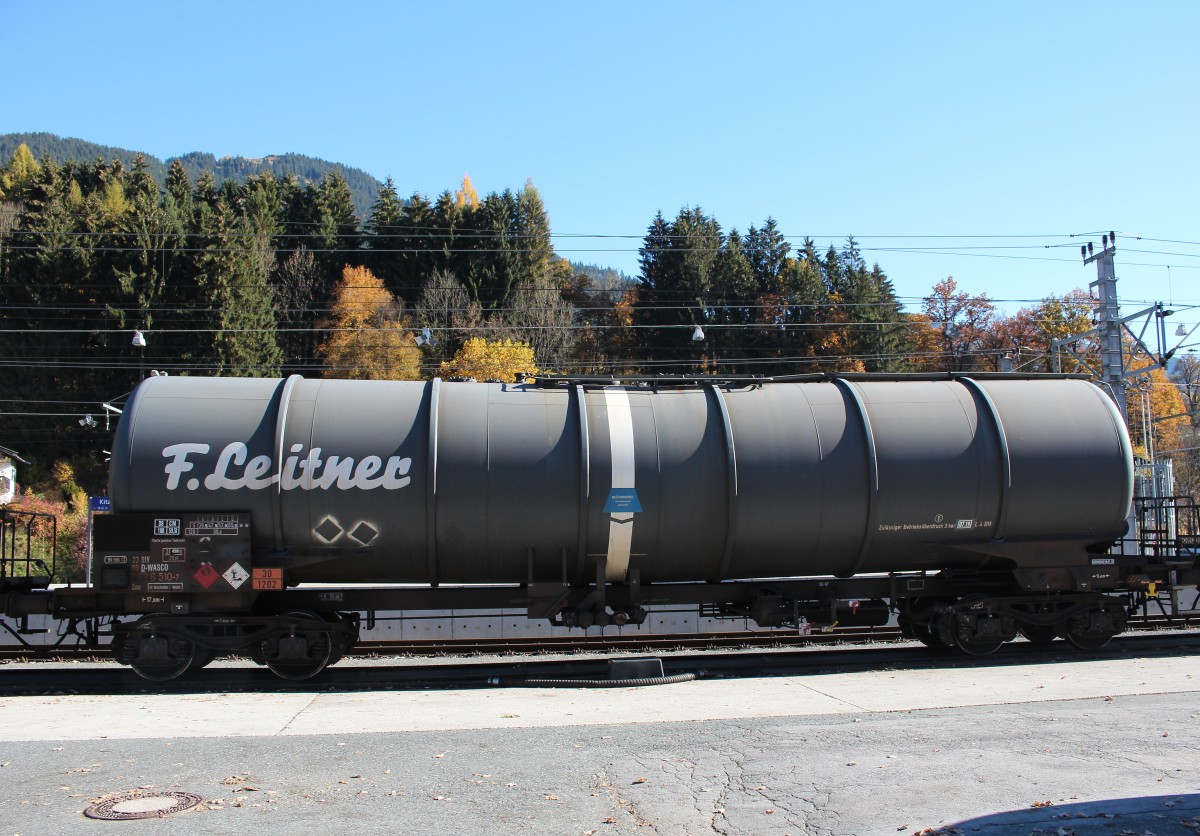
767, 252
730, 337
679, 262
420, 244
337, 224
334, 232
383, 235
241, 317
532, 239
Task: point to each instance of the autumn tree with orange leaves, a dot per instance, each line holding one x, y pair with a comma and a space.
1156, 396
370, 337
961, 322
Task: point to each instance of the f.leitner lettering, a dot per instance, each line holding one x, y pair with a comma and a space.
307, 471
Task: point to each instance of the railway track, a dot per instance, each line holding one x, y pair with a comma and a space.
470, 673
583, 644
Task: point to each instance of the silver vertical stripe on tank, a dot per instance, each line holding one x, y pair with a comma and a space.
620, 525
281, 417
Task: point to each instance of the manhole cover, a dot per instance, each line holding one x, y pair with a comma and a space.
142, 805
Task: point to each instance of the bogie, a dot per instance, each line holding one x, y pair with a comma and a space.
296, 645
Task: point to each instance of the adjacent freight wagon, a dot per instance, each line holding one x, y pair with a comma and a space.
268, 516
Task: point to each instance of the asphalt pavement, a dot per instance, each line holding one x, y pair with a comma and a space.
1076, 749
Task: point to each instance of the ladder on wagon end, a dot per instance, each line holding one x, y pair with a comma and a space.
28, 539
1168, 534
28, 547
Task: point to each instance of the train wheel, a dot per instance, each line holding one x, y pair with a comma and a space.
1084, 640
157, 658
1038, 633
979, 633
302, 655
928, 636
1093, 630
921, 623
201, 657
977, 647
162, 671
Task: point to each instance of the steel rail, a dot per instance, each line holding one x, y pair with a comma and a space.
462, 673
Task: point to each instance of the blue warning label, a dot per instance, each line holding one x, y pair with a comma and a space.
622, 501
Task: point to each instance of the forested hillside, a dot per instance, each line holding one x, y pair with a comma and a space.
363, 187
272, 275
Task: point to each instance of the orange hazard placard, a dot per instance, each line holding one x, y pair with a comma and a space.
261, 578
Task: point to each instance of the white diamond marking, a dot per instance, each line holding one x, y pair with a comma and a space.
236, 575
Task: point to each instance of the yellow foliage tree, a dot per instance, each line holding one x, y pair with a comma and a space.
20, 172
1028, 336
482, 359
466, 196
1163, 399
371, 338
926, 343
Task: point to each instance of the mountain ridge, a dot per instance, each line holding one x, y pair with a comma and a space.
363, 186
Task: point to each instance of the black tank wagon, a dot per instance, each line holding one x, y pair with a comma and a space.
266, 516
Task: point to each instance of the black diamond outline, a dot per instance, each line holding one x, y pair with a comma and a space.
361, 525
325, 525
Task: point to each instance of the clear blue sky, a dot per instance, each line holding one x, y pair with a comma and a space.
868, 119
